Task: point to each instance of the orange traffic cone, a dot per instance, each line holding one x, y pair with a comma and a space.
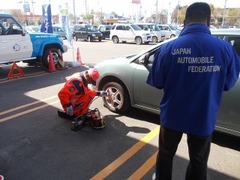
79, 57
51, 65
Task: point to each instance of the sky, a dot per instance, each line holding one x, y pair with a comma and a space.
121, 7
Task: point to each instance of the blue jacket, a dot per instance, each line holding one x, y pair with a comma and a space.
193, 70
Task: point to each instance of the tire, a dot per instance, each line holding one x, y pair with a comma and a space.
75, 38
57, 58
172, 36
115, 39
119, 101
89, 39
138, 40
154, 39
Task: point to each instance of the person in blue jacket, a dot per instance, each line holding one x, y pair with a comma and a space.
193, 70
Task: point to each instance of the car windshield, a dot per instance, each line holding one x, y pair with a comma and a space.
172, 27
89, 27
136, 27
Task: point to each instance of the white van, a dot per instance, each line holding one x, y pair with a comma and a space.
152, 28
129, 33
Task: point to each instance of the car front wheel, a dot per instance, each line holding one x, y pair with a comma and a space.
118, 101
154, 39
138, 40
56, 56
115, 39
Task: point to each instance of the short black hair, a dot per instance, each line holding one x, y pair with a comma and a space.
198, 12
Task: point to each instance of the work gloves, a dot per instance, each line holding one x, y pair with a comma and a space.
69, 110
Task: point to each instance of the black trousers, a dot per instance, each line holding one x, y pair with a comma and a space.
198, 148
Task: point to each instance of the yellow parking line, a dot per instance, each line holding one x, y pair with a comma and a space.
142, 171
26, 105
125, 156
27, 111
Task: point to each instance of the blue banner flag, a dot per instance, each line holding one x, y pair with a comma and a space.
64, 21
46, 25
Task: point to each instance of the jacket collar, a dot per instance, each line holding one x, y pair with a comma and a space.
195, 27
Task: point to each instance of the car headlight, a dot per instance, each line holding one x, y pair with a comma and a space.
93, 34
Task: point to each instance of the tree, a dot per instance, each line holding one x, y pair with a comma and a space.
89, 18
19, 15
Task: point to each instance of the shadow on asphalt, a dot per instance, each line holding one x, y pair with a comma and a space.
219, 138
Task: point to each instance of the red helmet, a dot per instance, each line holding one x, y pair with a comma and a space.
94, 75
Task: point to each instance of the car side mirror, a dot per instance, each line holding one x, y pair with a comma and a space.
23, 32
144, 59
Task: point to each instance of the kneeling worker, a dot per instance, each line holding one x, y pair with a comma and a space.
76, 96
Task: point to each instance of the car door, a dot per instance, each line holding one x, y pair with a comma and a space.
228, 116
83, 32
128, 33
144, 94
165, 31
15, 45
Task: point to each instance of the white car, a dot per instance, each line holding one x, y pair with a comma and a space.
169, 31
154, 30
129, 33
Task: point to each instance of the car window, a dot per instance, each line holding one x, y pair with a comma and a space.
108, 28
9, 26
77, 28
113, 27
82, 29
119, 28
136, 27
127, 28
151, 57
235, 41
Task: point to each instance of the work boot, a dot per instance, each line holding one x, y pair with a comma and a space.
63, 114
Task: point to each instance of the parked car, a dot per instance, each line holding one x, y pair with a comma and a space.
154, 30
125, 77
86, 32
169, 31
129, 33
59, 30
104, 29
31, 29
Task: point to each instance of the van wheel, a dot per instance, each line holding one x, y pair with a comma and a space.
115, 39
154, 39
75, 38
138, 40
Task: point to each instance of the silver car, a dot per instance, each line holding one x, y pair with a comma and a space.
125, 77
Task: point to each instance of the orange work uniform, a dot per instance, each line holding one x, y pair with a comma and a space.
75, 93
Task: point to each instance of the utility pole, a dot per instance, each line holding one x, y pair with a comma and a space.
33, 16
74, 12
86, 8
224, 13
157, 19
